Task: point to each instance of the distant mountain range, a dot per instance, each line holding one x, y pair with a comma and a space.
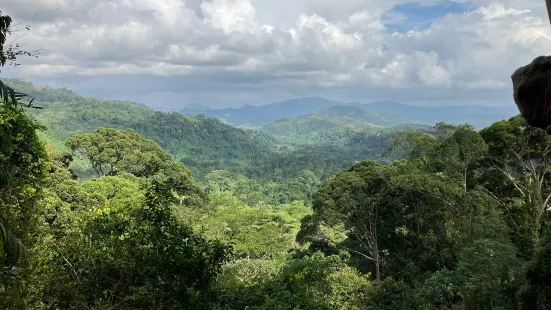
333, 118
261, 115
319, 135
376, 118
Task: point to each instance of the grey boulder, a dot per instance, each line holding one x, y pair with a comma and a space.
532, 92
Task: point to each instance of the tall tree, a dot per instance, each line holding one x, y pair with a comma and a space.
390, 215
517, 171
354, 197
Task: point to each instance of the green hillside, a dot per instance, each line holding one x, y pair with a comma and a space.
323, 143
379, 118
65, 113
331, 119
199, 141
206, 144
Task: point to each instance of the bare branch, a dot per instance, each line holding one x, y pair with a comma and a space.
36, 15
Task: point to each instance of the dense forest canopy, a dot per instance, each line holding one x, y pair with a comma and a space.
111, 205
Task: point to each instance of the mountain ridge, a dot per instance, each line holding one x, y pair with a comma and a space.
478, 116
334, 118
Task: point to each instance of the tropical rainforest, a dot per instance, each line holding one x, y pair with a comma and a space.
112, 205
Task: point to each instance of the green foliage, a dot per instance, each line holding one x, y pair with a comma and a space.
315, 282
261, 192
257, 232
390, 209
537, 294
113, 152
484, 269
517, 171
119, 191
110, 151
22, 172
440, 291
334, 118
65, 113
390, 294
63, 198
134, 257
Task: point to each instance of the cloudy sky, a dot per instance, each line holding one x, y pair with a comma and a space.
168, 53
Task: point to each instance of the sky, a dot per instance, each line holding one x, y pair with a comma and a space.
228, 53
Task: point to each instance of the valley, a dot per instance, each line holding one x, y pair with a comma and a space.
335, 207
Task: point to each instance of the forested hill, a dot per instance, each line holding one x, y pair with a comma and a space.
65, 113
334, 118
206, 144
202, 142
379, 118
262, 115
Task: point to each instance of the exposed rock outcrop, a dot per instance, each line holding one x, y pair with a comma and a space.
532, 92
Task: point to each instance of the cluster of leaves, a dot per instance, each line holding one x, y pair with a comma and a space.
132, 254
259, 232
311, 282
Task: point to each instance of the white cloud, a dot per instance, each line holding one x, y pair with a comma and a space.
230, 15
286, 44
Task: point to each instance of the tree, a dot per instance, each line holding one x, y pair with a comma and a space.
484, 268
389, 214
460, 148
354, 197
256, 232
450, 149
517, 172
312, 282
111, 151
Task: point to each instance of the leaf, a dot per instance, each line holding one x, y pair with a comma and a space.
10, 97
12, 246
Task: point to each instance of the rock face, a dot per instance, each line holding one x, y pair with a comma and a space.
532, 92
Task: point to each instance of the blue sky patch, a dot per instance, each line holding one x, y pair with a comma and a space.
416, 16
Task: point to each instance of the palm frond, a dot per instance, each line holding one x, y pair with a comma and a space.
13, 248
9, 96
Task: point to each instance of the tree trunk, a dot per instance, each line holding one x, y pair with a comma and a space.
466, 303
377, 264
